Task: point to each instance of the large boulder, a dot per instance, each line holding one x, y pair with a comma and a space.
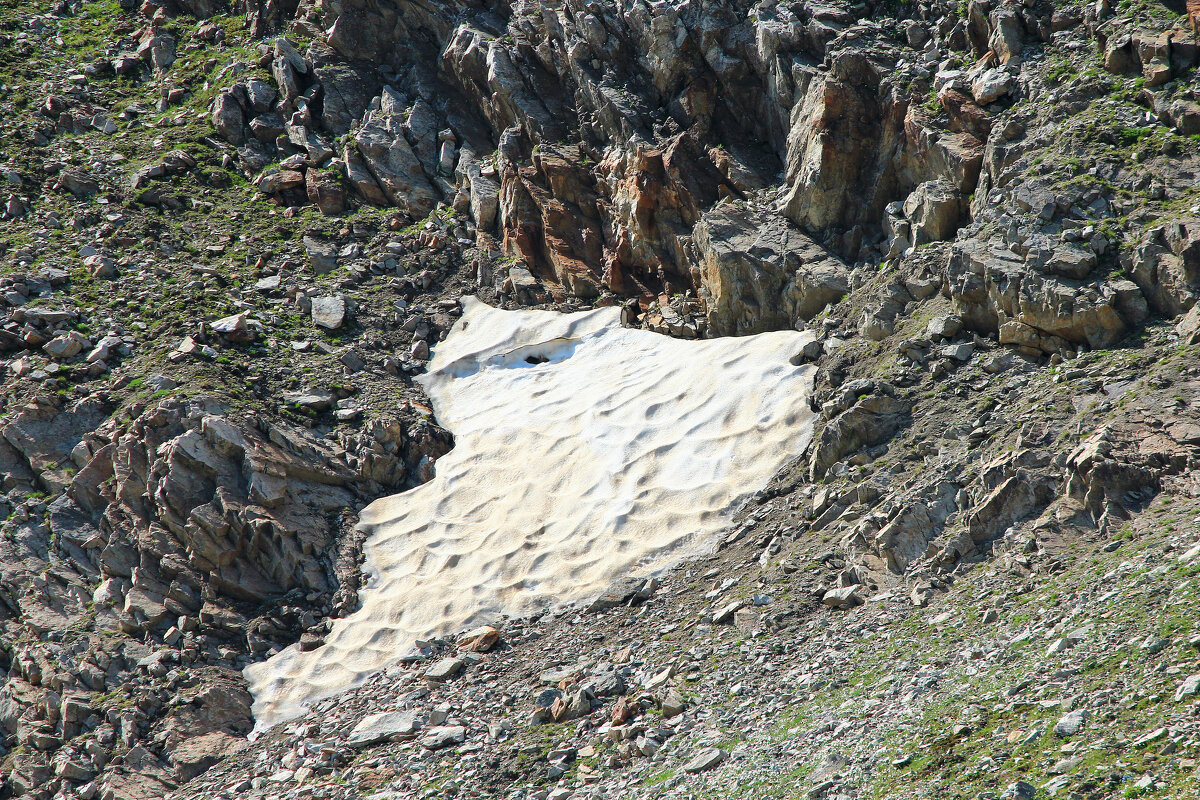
229, 118
1006, 37
934, 208
761, 272
389, 158
1166, 266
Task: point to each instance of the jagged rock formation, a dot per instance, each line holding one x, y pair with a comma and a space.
677, 108
169, 519
605, 158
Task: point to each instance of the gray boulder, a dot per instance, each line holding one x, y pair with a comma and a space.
384, 727
763, 273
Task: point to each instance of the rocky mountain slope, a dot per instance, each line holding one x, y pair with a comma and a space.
232, 232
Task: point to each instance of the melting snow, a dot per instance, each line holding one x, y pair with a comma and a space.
584, 452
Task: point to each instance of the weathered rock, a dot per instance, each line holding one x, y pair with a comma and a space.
479, 640
444, 736
945, 327
389, 158
325, 193
571, 706
228, 118
834, 151
384, 727
843, 597
445, 669
762, 273
262, 95
322, 256
1166, 267
1188, 327
991, 85
1006, 38
1071, 723
66, 346
996, 292
706, 759
934, 208
1188, 689
315, 399
868, 419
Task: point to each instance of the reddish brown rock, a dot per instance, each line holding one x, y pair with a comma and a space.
325, 193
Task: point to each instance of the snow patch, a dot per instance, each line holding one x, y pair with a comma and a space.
584, 452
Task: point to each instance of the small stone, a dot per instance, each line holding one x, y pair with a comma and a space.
479, 640
234, 328
329, 312
445, 669
314, 399
388, 726
352, 361
267, 284
1151, 737
1154, 644
704, 760
958, 352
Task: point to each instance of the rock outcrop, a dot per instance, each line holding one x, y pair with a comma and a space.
812, 104
167, 521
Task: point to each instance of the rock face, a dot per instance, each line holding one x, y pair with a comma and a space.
621, 204
382, 145
1031, 307
785, 144
1166, 267
247, 507
862, 414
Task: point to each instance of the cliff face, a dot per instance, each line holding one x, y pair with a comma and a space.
602, 144
602, 133
232, 233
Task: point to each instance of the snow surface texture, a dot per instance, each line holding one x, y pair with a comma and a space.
584, 452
